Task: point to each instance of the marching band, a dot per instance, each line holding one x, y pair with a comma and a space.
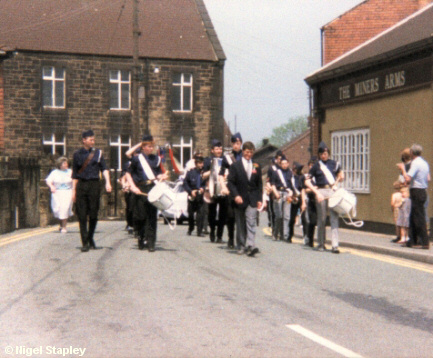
228, 184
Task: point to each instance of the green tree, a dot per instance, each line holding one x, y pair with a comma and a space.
287, 131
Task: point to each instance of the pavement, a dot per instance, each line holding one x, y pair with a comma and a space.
377, 243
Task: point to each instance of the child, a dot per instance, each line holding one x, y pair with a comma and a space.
396, 201
403, 216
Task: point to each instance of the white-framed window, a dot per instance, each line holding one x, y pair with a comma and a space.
53, 87
183, 151
120, 90
119, 145
54, 145
182, 92
352, 149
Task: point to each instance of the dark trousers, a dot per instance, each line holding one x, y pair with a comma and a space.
219, 208
86, 207
129, 212
145, 216
196, 207
312, 219
230, 221
417, 220
294, 209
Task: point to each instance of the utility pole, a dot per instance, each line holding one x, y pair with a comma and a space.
136, 71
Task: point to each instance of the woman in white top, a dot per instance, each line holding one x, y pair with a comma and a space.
60, 183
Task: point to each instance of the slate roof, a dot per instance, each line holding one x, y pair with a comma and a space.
170, 29
409, 35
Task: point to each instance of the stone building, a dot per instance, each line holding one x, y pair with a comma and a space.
374, 101
67, 65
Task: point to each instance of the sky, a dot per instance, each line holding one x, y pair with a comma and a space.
271, 46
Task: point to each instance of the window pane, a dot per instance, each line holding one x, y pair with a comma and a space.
60, 73
60, 94
176, 98
187, 78
60, 149
114, 75
125, 139
177, 77
47, 91
47, 71
114, 157
125, 95
124, 157
187, 98
47, 149
114, 95
125, 76
186, 154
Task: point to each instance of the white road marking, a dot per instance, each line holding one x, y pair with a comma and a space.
323, 341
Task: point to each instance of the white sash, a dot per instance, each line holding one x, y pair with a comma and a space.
229, 159
329, 177
283, 180
294, 186
146, 167
100, 155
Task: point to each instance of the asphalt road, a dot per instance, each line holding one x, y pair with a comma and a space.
192, 298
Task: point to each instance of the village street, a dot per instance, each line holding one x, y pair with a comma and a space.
192, 298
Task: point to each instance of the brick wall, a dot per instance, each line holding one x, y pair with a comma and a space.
364, 22
87, 106
298, 149
2, 114
87, 103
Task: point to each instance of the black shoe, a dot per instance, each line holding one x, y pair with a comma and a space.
141, 245
212, 237
220, 240
94, 247
230, 246
130, 231
252, 252
201, 235
335, 250
289, 241
397, 239
85, 248
206, 232
188, 233
152, 249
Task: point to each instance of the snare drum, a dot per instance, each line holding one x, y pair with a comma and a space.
161, 196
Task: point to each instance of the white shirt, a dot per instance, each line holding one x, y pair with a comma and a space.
248, 165
419, 172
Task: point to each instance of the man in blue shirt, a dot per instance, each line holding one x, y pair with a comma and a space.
418, 176
87, 164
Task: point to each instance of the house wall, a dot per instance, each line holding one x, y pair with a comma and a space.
364, 22
395, 123
87, 103
2, 113
87, 106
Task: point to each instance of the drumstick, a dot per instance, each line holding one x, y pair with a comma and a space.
143, 194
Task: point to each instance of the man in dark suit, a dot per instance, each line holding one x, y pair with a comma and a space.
246, 187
